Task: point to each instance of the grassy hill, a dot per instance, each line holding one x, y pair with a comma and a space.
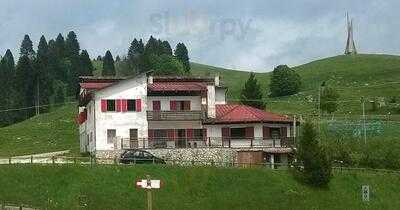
49, 132
353, 76
112, 187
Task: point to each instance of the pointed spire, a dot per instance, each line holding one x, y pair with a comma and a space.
350, 45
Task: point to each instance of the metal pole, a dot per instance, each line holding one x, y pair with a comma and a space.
365, 129
149, 196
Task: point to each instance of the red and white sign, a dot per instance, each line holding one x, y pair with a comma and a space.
148, 184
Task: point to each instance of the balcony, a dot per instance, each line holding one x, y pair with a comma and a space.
200, 142
175, 115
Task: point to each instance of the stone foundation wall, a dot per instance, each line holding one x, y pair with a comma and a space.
197, 156
187, 156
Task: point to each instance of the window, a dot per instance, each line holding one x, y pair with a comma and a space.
198, 134
131, 105
275, 133
181, 106
111, 134
238, 132
111, 105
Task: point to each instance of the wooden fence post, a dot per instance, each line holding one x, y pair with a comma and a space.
52, 160
31, 159
9, 160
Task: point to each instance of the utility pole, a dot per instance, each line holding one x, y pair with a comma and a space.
37, 98
364, 126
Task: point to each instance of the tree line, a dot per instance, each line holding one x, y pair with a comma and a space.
45, 77
42, 77
156, 55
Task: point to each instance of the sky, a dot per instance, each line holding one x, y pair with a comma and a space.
244, 35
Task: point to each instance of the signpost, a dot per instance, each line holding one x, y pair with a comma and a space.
365, 192
148, 185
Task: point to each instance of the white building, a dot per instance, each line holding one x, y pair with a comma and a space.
174, 112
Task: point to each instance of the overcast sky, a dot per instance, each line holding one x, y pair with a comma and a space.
252, 35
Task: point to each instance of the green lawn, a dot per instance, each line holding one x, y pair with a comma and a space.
48, 132
112, 187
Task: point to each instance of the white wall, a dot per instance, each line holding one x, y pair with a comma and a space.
135, 88
195, 101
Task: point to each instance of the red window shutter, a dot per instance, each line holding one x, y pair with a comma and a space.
150, 134
103, 105
118, 104
172, 105
186, 105
225, 133
189, 133
138, 105
266, 133
249, 132
156, 106
171, 134
124, 105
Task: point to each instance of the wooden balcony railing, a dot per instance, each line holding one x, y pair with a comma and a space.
175, 115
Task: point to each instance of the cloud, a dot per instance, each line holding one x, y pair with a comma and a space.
254, 36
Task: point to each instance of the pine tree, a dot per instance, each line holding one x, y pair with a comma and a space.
181, 53
108, 65
72, 53
166, 48
44, 79
86, 64
27, 48
25, 87
251, 93
152, 46
72, 45
7, 92
59, 47
284, 81
117, 59
313, 163
135, 56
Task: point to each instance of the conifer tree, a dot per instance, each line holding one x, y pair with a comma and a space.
86, 64
43, 79
59, 47
7, 92
26, 48
135, 56
312, 161
251, 93
181, 53
72, 53
108, 65
25, 87
166, 48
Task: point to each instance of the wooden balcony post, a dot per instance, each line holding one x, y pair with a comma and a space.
251, 142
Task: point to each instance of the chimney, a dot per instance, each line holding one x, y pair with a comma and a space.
150, 80
216, 80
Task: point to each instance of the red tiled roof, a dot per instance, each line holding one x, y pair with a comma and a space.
95, 85
177, 86
232, 113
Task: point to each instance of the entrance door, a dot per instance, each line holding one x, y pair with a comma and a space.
181, 138
133, 138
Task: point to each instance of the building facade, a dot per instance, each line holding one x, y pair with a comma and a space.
174, 112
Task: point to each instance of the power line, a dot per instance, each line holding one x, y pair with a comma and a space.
31, 107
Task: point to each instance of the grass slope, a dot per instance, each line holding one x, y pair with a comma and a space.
112, 187
49, 132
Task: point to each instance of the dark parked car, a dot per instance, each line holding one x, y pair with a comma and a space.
139, 156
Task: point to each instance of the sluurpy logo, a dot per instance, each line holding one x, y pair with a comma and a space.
196, 23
